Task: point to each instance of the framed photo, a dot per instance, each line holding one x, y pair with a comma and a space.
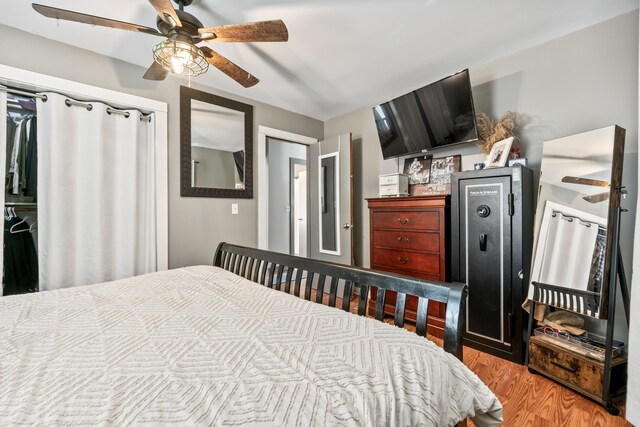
418, 169
440, 177
499, 154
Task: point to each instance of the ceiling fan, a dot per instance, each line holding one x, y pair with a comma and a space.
178, 53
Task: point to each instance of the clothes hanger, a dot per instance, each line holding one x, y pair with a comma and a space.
18, 223
33, 227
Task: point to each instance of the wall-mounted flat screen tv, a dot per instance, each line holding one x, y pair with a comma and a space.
435, 116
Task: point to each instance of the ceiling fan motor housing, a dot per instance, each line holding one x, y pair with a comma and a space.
190, 26
183, 3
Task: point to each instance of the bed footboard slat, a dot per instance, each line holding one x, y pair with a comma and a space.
287, 283
398, 319
308, 285
251, 265
264, 272
362, 301
421, 317
333, 290
346, 295
320, 289
382, 293
243, 266
272, 272
278, 282
296, 289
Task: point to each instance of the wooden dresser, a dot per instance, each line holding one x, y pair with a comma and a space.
410, 235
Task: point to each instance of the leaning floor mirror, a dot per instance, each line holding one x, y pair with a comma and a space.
216, 146
577, 219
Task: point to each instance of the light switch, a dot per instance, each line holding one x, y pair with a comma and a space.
234, 209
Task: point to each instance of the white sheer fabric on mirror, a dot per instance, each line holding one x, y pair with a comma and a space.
96, 194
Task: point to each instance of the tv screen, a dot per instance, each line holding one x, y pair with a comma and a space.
434, 116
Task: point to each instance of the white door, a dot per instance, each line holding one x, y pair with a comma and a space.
331, 214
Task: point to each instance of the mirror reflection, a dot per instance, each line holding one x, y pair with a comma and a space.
217, 146
329, 207
572, 217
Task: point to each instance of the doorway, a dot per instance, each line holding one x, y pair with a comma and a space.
287, 202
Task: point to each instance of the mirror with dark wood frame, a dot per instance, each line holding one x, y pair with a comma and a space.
216, 146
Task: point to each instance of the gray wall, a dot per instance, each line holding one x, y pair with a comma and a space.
196, 225
216, 168
579, 82
279, 154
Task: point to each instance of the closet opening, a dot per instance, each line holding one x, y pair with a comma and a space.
20, 260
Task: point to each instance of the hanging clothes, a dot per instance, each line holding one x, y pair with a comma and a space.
22, 170
12, 127
13, 157
20, 258
31, 161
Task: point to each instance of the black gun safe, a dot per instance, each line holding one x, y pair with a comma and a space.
492, 237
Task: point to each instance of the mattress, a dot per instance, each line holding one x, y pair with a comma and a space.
202, 346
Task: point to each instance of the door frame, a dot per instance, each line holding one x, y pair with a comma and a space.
262, 183
292, 220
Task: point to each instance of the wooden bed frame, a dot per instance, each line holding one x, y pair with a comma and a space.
276, 271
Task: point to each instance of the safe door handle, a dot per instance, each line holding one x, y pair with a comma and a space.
403, 239
483, 242
566, 368
403, 221
402, 261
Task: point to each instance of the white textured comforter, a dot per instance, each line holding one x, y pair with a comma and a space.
201, 346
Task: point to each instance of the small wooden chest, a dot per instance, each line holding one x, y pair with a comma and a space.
581, 373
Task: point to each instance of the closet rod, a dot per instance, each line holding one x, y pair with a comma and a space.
24, 93
24, 204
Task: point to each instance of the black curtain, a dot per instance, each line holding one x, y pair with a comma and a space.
238, 157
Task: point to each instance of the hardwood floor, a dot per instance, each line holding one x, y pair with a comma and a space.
530, 400
533, 400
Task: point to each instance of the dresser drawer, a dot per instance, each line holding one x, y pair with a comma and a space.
406, 220
405, 260
428, 242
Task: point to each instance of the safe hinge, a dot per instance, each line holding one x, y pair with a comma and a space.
511, 204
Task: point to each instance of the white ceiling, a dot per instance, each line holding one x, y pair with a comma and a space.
342, 54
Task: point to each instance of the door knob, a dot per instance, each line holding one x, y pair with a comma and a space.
347, 226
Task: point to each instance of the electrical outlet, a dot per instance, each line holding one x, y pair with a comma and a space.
234, 209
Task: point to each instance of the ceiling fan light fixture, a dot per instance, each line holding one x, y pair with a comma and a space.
180, 57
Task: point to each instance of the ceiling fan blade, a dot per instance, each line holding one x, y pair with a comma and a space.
155, 72
229, 68
67, 15
166, 12
263, 31
597, 198
585, 181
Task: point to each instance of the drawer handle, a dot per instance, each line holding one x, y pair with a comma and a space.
401, 221
403, 239
566, 368
403, 261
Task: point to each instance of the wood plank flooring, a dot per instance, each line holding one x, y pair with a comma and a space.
529, 400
